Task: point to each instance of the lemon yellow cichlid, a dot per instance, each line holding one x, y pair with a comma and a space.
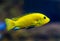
36, 19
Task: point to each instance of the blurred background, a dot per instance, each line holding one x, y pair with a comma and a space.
15, 8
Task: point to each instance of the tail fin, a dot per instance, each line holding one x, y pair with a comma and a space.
10, 24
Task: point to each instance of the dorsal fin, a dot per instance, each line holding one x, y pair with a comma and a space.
16, 18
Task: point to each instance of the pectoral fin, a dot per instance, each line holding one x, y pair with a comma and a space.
31, 26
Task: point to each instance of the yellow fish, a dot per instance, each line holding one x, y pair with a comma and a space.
36, 19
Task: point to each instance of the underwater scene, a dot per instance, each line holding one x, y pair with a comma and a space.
29, 20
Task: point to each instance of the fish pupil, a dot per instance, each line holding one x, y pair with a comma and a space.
44, 17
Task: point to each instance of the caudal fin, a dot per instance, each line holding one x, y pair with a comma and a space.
10, 24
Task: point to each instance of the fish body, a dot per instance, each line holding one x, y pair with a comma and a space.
36, 19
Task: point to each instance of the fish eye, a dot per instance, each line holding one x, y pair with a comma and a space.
44, 17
